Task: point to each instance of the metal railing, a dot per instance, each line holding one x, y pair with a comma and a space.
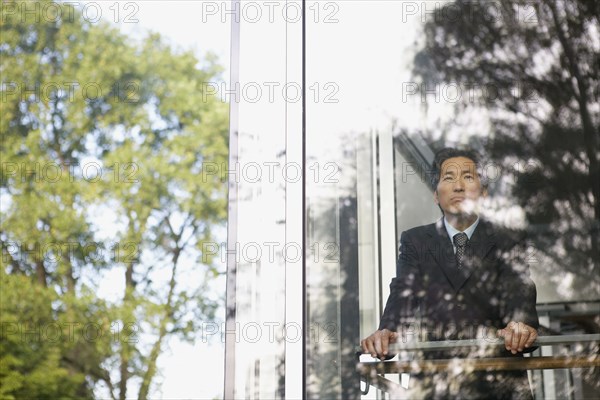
371, 372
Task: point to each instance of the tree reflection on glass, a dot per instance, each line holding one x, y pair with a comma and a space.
544, 71
535, 76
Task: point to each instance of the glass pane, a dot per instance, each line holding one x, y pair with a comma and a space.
265, 280
391, 83
256, 246
112, 202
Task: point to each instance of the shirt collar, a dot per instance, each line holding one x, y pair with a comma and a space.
453, 231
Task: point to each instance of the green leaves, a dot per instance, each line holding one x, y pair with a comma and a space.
103, 144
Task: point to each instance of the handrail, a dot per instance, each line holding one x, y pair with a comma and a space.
487, 342
477, 364
373, 372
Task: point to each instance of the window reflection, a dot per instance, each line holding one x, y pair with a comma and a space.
380, 101
458, 74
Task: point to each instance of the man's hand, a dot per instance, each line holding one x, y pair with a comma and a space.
517, 336
377, 343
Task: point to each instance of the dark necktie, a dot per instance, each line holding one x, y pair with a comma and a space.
460, 241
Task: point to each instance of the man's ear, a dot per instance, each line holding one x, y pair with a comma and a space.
484, 192
435, 197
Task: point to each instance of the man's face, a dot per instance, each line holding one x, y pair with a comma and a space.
459, 188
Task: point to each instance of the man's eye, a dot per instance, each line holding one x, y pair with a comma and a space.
447, 178
469, 177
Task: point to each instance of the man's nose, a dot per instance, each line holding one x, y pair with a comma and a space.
459, 185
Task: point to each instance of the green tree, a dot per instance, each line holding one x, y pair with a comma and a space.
107, 145
534, 69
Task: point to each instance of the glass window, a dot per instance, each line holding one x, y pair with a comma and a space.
386, 85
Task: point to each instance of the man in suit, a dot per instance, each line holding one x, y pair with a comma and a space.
460, 278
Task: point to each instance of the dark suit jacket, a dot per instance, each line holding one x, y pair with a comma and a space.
432, 298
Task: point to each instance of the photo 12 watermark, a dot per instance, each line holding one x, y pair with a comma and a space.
71, 91
52, 172
469, 92
271, 92
489, 172
411, 332
270, 251
255, 12
54, 252
92, 12
270, 172
270, 332
69, 332
493, 11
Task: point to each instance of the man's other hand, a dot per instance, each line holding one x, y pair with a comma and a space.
377, 343
517, 336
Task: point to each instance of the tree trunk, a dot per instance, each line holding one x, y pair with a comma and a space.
125, 352
156, 349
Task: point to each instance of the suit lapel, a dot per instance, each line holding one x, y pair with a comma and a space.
482, 241
479, 245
